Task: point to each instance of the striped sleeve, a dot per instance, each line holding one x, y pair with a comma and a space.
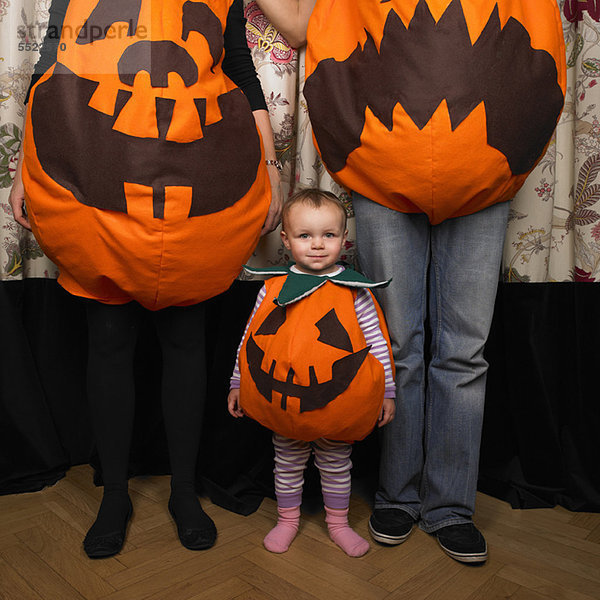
366, 313
234, 382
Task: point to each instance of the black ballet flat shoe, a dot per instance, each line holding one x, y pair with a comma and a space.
103, 546
198, 538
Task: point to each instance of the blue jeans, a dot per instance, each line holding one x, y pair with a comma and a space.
448, 273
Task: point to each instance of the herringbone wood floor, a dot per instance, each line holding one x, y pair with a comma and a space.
534, 554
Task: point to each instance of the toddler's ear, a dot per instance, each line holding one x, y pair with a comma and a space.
284, 239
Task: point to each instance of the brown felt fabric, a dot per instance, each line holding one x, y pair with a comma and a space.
434, 105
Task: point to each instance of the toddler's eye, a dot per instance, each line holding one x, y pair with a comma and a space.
330, 235
303, 236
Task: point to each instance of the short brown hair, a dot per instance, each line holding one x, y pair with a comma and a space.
313, 197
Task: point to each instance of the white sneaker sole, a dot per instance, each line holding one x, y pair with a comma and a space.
390, 540
475, 557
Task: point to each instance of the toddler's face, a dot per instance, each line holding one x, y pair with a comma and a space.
315, 237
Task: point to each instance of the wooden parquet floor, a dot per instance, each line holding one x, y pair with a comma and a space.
534, 554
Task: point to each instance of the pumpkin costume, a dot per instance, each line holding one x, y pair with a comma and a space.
131, 141
433, 105
306, 371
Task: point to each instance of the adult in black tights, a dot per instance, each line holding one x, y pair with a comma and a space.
113, 331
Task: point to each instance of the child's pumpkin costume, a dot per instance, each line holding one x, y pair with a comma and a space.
435, 106
137, 184
306, 370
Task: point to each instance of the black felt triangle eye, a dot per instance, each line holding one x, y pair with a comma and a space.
273, 321
332, 332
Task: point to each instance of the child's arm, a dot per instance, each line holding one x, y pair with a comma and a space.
290, 17
368, 320
234, 382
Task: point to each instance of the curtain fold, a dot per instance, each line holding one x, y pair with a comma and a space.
43, 422
22, 27
540, 439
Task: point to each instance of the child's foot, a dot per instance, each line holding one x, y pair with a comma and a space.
343, 535
282, 535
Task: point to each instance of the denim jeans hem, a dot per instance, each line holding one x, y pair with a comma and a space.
414, 514
437, 526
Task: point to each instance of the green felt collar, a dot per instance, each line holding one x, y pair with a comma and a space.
301, 285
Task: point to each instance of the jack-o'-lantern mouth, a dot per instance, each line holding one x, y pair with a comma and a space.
313, 396
73, 138
427, 63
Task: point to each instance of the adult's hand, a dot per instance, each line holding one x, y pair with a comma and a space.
16, 197
274, 214
263, 122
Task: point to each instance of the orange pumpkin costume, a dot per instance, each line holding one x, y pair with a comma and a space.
435, 106
135, 177
305, 369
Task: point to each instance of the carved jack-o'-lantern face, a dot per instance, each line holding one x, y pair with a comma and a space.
306, 370
137, 120
435, 106
317, 394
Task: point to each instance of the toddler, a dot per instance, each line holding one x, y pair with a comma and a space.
314, 231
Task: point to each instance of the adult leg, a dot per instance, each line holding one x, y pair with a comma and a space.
112, 336
181, 334
291, 457
334, 464
466, 255
397, 245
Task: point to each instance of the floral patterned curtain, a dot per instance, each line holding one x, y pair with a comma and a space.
554, 229
22, 27
281, 72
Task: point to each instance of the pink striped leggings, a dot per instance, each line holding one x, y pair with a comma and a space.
331, 458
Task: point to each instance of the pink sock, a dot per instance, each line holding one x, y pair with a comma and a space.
342, 534
281, 536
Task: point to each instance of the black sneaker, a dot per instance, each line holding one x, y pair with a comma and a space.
390, 525
463, 543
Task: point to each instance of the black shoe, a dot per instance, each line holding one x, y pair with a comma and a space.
463, 543
109, 544
200, 537
390, 525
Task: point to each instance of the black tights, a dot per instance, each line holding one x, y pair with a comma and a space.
113, 331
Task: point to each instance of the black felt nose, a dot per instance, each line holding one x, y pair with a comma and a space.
159, 58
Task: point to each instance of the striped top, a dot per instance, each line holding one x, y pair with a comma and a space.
368, 321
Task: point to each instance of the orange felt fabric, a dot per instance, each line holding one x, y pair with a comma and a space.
136, 182
291, 348
435, 106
